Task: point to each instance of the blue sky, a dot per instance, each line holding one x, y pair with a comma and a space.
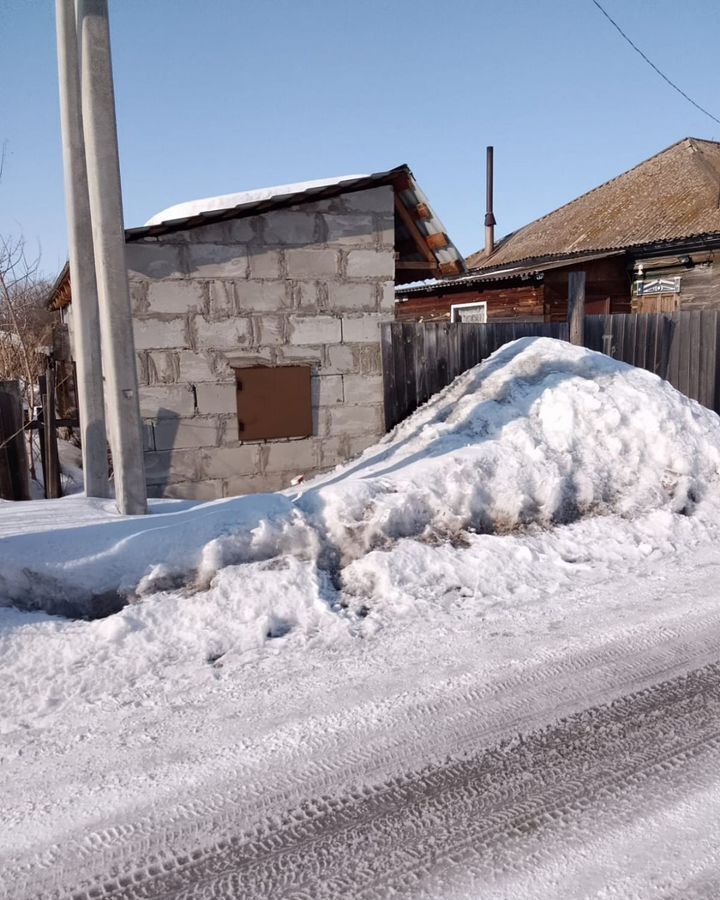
224, 95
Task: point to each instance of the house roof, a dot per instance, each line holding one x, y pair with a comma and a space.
422, 245
492, 276
673, 195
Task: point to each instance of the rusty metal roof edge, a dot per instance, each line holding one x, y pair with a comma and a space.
258, 206
700, 238
506, 273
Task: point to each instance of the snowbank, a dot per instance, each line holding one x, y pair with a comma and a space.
541, 434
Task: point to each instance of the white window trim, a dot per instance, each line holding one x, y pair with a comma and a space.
456, 306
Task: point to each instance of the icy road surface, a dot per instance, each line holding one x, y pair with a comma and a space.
586, 764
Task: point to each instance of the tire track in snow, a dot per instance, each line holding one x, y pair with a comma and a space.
477, 717
471, 823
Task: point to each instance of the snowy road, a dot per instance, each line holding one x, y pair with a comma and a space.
589, 770
491, 825
482, 660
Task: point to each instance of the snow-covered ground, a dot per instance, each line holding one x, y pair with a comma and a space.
537, 540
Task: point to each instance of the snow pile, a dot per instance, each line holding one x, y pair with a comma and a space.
83, 559
541, 434
229, 201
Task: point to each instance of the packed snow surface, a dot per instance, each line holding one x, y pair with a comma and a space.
229, 201
542, 433
539, 539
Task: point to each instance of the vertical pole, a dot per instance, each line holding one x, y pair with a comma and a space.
53, 488
103, 167
14, 472
91, 406
576, 308
489, 212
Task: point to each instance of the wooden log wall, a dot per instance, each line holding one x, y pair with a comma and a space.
525, 302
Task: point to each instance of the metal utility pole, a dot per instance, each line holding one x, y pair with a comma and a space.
103, 168
489, 214
576, 307
86, 330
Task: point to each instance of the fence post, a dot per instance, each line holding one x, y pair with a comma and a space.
576, 308
14, 474
52, 462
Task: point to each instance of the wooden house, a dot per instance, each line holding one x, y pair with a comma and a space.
647, 241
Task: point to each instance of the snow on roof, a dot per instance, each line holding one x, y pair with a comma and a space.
230, 201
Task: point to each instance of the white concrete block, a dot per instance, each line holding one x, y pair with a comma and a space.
154, 333
178, 297
311, 263
314, 330
217, 260
291, 456
379, 200
224, 462
269, 331
163, 366
340, 358
242, 230
363, 389
228, 335
182, 433
344, 295
350, 229
238, 485
265, 263
166, 466
166, 401
260, 296
355, 420
327, 390
362, 329
370, 264
387, 298
311, 356
284, 227
196, 366
195, 490
216, 398
386, 232
222, 299
157, 260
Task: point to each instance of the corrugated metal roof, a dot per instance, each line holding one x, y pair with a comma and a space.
673, 195
506, 273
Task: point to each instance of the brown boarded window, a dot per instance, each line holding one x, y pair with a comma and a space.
273, 402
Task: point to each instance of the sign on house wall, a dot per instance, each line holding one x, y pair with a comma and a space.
653, 287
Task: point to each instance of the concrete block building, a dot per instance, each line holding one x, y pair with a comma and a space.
257, 327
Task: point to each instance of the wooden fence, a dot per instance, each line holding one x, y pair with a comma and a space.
419, 359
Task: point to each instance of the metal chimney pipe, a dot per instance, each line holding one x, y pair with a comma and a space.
489, 216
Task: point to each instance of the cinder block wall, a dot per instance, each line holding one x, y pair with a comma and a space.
305, 285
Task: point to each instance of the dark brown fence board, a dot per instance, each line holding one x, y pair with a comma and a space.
708, 328
696, 348
419, 359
